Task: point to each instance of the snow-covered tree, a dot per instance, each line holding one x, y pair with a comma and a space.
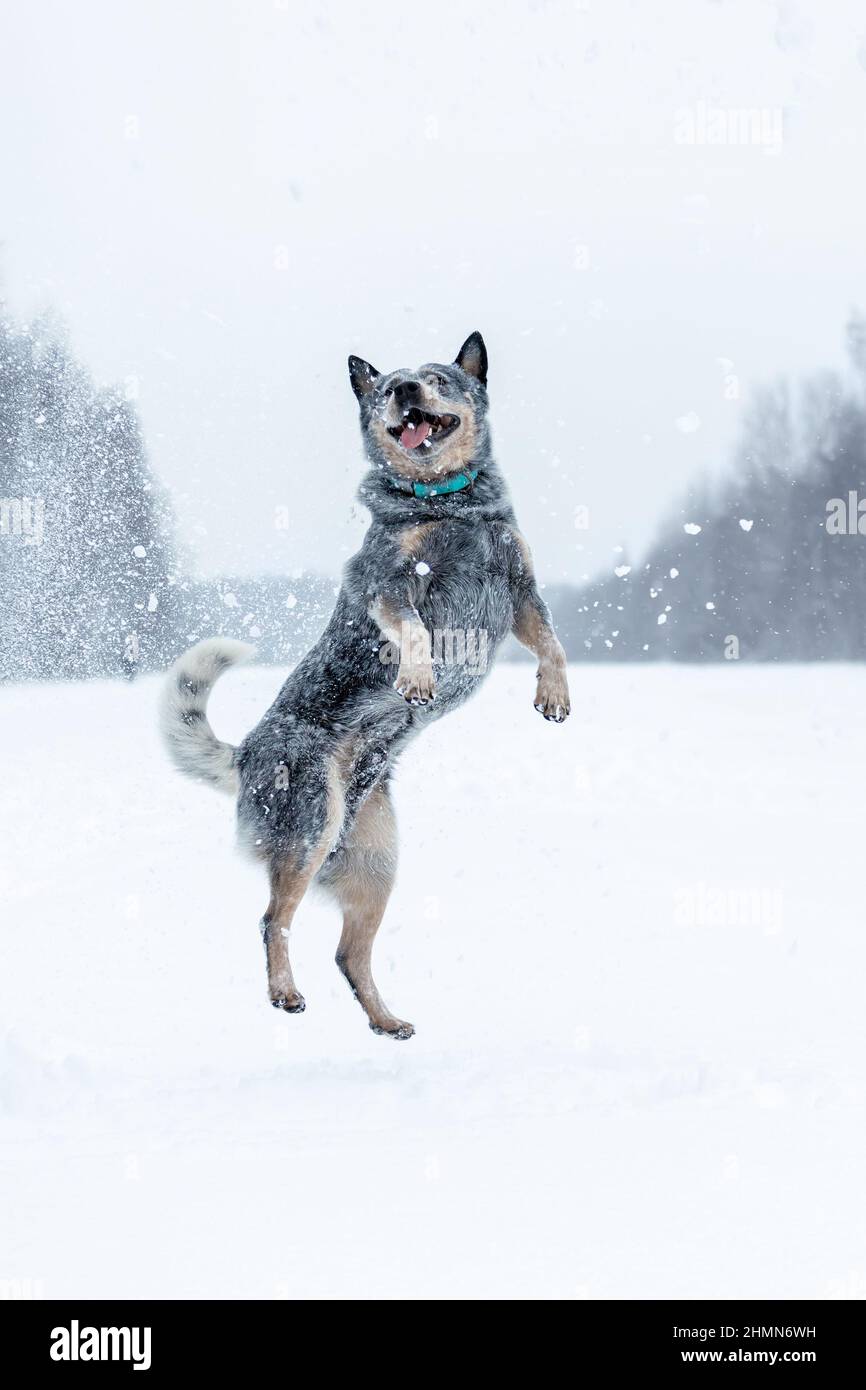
86, 551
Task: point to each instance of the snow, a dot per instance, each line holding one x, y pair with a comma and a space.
632, 947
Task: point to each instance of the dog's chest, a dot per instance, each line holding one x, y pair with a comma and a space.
463, 578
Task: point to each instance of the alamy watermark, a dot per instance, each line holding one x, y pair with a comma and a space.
701, 124
846, 516
23, 517
451, 646
729, 905
77, 1343
21, 1290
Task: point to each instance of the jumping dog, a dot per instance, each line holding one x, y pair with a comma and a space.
442, 565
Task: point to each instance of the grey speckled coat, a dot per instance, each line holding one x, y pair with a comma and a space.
442, 578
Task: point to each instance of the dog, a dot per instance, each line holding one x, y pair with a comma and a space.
442, 559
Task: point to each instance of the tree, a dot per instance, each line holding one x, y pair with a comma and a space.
84, 592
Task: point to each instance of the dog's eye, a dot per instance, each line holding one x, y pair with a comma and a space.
441, 380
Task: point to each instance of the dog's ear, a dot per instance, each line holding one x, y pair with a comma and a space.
362, 376
472, 357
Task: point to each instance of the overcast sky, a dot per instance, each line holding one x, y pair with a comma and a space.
224, 199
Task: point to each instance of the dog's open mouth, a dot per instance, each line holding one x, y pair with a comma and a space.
420, 429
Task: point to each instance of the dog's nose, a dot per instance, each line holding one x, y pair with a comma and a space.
406, 392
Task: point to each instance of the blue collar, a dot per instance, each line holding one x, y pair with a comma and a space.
455, 484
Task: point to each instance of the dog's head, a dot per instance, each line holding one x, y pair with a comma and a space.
425, 423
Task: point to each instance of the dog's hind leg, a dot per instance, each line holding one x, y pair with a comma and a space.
291, 875
288, 886
360, 876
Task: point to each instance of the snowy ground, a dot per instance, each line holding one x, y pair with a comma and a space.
632, 947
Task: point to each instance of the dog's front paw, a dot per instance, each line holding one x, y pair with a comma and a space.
415, 684
551, 696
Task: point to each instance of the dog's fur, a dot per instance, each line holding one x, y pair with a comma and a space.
312, 779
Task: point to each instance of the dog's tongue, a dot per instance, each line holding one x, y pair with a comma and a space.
414, 434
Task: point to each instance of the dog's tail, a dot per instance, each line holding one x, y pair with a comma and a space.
191, 742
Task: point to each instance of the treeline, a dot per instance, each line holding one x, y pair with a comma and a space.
771, 564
